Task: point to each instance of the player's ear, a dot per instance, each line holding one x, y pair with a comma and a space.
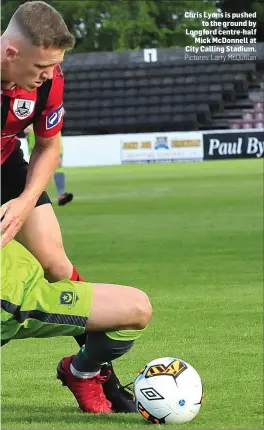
11, 53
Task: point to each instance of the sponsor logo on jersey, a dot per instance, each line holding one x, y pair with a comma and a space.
54, 118
23, 108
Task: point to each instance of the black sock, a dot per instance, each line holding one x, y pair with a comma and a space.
81, 339
99, 349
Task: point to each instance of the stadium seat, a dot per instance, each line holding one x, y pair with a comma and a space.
248, 115
247, 124
259, 124
234, 125
259, 105
259, 115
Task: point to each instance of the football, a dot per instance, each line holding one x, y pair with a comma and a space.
168, 391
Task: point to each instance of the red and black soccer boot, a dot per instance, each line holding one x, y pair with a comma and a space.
120, 396
88, 392
65, 198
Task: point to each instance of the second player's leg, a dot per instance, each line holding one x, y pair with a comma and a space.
69, 308
117, 318
118, 307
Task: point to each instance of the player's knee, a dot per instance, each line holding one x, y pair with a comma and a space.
57, 267
142, 310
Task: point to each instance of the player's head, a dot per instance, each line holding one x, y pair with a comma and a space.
35, 40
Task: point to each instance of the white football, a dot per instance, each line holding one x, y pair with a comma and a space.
168, 391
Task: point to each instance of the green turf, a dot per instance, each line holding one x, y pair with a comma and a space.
191, 236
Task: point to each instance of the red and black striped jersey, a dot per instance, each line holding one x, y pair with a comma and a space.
21, 110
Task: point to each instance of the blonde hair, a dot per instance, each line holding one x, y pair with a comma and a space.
43, 25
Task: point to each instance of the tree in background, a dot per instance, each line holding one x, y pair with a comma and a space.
107, 25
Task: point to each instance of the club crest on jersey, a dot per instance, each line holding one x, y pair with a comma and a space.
23, 108
68, 298
54, 118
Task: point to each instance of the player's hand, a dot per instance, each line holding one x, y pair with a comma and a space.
13, 215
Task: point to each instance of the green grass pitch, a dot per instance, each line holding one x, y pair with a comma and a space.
191, 236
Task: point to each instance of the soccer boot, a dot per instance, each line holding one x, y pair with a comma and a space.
88, 392
120, 396
65, 198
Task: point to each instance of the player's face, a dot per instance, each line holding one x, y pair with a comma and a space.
33, 65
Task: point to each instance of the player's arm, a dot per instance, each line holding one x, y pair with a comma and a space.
43, 162
46, 153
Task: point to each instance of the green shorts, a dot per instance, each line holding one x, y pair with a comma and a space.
33, 307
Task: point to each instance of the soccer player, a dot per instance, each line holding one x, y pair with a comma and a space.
32, 47
114, 317
59, 175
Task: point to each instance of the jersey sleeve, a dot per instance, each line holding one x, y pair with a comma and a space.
50, 120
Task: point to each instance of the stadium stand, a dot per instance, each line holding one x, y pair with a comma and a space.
118, 92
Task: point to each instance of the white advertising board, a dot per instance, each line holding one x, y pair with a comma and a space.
161, 147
